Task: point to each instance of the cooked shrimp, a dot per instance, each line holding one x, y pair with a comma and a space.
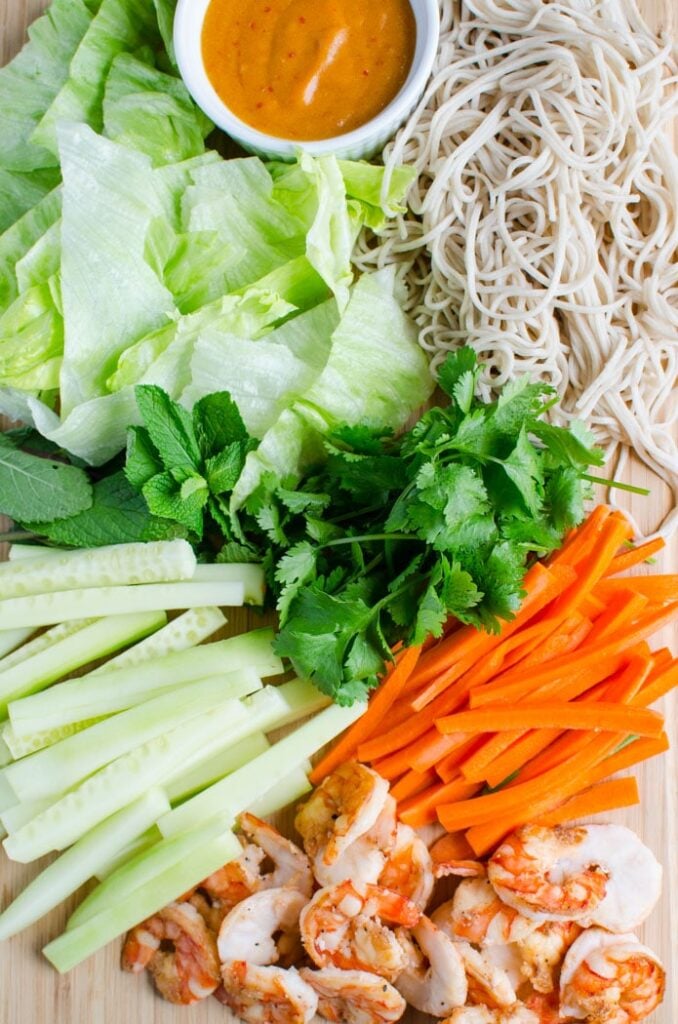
487, 983
291, 866
518, 1014
433, 980
343, 808
343, 927
478, 915
452, 855
354, 997
267, 995
546, 1007
610, 979
543, 951
365, 858
187, 973
236, 880
594, 874
263, 929
408, 868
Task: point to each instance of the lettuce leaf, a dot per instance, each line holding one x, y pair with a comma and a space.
364, 184
20, 238
32, 339
21, 190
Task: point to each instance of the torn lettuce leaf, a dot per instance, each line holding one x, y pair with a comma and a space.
18, 240
364, 184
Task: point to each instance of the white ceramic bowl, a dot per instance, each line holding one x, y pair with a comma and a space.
359, 144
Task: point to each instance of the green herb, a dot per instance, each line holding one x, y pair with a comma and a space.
39, 489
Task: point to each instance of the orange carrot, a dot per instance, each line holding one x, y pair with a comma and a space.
658, 687
624, 606
421, 809
432, 748
450, 766
518, 756
598, 716
378, 708
392, 766
609, 651
628, 559
659, 588
412, 783
605, 796
581, 540
630, 755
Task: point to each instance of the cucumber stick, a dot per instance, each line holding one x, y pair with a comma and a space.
249, 574
11, 638
227, 799
143, 842
60, 606
114, 690
19, 815
119, 783
81, 862
77, 944
20, 552
68, 652
186, 631
6, 754
113, 566
212, 767
287, 791
62, 766
42, 642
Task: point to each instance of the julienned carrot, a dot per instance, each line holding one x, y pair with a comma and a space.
632, 754
627, 560
575, 631
597, 716
591, 606
605, 796
421, 809
451, 765
432, 748
625, 606
658, 588
510, 686
582, 539
412, 783
388, 692
541, 586
658, 687
518, 756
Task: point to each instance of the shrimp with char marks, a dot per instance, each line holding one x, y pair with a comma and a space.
364, 860
343, 926
478, 915
487, 983
344, 807
543, 951
264, 929
189, 970
434, 980
408, 868
267, 995
354, 997
594, 874
610, 979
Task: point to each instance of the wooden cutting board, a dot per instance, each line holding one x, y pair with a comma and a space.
98, 992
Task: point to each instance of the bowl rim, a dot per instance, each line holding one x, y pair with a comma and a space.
188, 22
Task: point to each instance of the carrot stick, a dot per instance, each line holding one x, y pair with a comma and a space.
392, 766
624, 606
657, 688
582, 539
662, 658
628, 559
591, 606
598, 716
605, 796
421, 809
432, 748
575, 631
412, 783
448, 768
632, 754
378, 708
658, 588
518, 756
510, 686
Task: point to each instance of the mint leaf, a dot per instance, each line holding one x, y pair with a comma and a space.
142, 460
183, 502
234, 552
169, 426
39, 490
118, 515
217, 423
224, 469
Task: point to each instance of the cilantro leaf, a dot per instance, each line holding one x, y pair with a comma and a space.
456, 364
523, 467
294, 569
39, 490
431, 616
169, 426
360, 438
565, 499
574, 447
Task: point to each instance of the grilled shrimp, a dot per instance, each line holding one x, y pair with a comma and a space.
291, 866
344, 807
354, 997
542, 953
594, 874
518, 1014
263, 929
610, 979
433, 980
476, 914
267, 995
187, 973
365, 858
343, 927
408, 868
487, 983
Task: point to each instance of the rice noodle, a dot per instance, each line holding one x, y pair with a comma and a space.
544, 223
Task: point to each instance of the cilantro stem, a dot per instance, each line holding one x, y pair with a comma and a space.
368, 537
615, 483
17, 535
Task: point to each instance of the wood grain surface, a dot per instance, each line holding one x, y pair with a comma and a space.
97, 992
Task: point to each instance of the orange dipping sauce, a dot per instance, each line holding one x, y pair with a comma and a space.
308, 69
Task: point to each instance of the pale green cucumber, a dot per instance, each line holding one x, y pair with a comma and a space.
118, 784
42, 642
118, 688
250, 575
22, 746
143, 842
63, 765
6, 754
137, 873
227, 799
76, 944
11, 638
20, 552
92, 641
20, 814
60, 606
163, 561
212, 767
74, 867
287, 791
